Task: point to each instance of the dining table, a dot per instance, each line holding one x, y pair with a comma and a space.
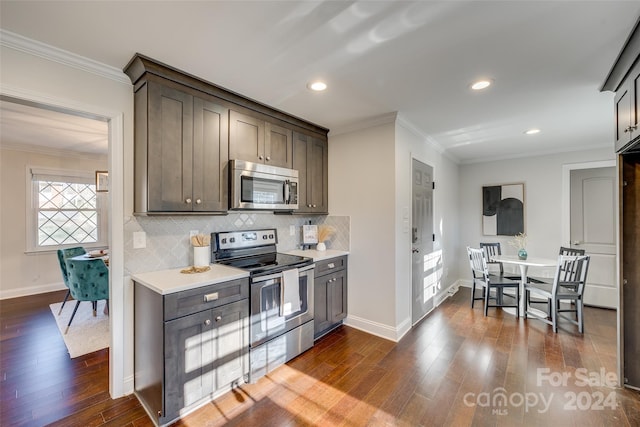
524, 265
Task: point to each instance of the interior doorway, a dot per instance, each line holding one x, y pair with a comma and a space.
590, 189
425, 263
118, 384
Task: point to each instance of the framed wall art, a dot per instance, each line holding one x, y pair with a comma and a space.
102, 181
503, 210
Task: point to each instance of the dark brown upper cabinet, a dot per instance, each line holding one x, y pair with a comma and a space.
180, 151
259, 141
311, 160
187, 129
627, 109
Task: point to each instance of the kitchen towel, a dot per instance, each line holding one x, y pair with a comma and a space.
289, 292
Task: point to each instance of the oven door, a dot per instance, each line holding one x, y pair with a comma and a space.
252, 189
267, 320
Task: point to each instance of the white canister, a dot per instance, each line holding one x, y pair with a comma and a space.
201, 256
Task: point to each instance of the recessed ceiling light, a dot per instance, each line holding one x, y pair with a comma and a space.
317, 86
532, 131
481, 84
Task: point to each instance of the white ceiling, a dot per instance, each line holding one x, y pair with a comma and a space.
548, 60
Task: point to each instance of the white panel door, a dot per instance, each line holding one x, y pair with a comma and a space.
426, 264
593, 229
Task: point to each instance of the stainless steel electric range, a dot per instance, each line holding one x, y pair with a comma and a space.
281, 296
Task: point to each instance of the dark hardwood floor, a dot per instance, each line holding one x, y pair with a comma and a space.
452, 369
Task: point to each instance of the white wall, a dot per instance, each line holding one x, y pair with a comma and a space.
361, 185
370, 181
20, 273
410, 145
542, 177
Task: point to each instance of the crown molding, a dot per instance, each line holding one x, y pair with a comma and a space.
541, 153
402, 121
364, 124
61, 56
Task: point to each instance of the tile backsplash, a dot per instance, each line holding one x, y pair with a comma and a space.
168, 244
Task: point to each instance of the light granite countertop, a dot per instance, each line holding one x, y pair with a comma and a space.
318, 255
169, 281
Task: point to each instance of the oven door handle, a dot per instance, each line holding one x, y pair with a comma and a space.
304, 271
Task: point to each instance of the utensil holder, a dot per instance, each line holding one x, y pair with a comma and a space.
201, 256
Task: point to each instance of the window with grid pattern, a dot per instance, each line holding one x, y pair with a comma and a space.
66, 210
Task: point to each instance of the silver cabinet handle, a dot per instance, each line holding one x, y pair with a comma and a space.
313, 206
331, 265
207, 322
211, 297
188, 200
219, 318
268, 158
260, 157
198, 201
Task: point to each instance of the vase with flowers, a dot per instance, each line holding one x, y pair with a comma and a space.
324, 233
520, 243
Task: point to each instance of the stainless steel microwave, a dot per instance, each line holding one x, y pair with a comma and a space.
255, 186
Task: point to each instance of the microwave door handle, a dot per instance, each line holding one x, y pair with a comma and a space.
287, 192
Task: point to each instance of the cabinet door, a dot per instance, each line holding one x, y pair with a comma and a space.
231, 338
300, 142
169, 153
189, 361
337, 291
623, 116
246, 137
210, 156
627, 109
320, 305
311, 159
317, 175
278, 146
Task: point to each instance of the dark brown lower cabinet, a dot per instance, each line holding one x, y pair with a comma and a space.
330, 295
188, 350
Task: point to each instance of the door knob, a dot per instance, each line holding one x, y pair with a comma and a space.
198, 201
187, 200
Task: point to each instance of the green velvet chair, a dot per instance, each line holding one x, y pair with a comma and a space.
63, 255
88, 281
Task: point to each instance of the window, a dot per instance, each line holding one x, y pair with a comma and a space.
65, 210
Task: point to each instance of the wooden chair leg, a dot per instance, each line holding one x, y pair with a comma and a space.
72, 316
554, 314
66, 297
579, 313
473, 292
486, 302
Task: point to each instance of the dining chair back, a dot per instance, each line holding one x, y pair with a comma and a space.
491, 250
88, 281
569, 284
63, 255
482, 277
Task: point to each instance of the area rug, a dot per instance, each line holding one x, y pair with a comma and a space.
86, 333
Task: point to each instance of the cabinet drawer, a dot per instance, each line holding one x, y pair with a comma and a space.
330, 265
203, 298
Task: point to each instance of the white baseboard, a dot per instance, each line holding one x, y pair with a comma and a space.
33, 290
128, 385
396, 334
373, 328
